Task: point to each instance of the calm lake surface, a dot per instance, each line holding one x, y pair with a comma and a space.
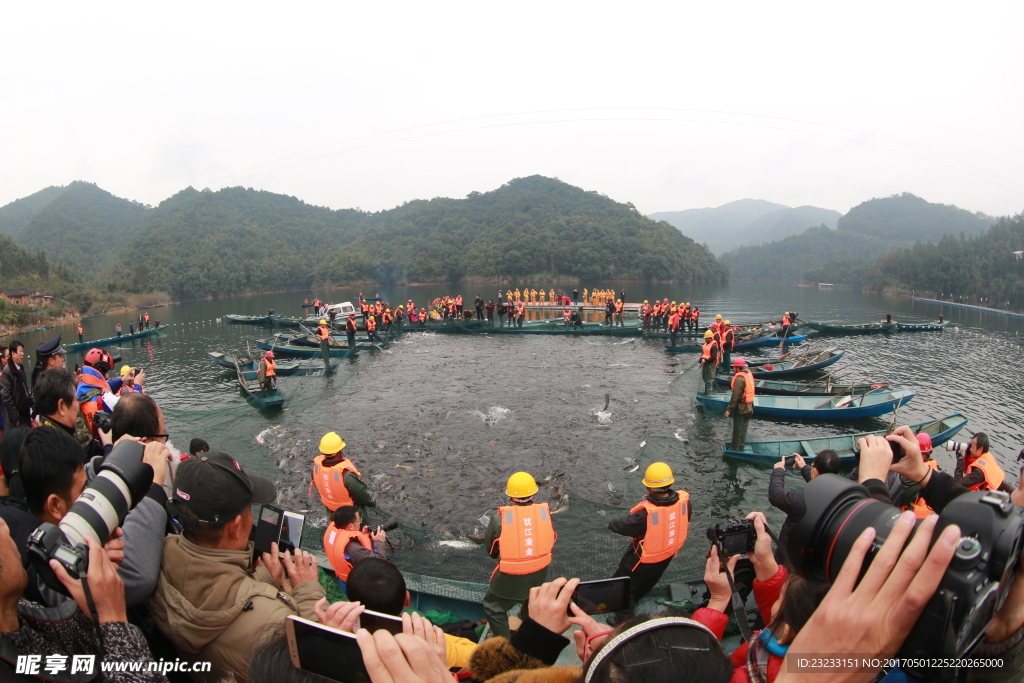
436, 423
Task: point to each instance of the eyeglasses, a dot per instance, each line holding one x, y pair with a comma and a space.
165, 437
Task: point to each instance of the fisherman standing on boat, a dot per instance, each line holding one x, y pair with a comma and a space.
350, 329
741, 403
323, 335
117, 328
618, 313
709, 361
658, 525
787, 322
267, 375
337, 479
728, 336
673, 326
520, 314
80, 333
145, 319
520, 537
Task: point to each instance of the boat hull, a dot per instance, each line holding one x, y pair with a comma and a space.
109, 341
871, 404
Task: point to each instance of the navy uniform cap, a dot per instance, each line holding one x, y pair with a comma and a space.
50, 347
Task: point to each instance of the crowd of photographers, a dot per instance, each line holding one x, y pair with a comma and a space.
117, 549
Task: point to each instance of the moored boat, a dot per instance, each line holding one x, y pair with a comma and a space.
306, 351
78, 346
842, 328
264, 398
787, 367
769, 387
922, 327
847, 407
250, 319
769, 452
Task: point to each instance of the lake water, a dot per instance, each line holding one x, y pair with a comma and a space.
436, 423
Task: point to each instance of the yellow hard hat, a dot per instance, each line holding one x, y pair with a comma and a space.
646, 301
726, 322
718, 317
687, 303
787, 312
521, 485
708, 334
331, 444
658, 475
323, 322
125, 369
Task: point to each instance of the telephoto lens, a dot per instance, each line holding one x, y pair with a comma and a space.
958, 446
390, 525
123, 479
975, 584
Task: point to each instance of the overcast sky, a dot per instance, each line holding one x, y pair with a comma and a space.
670, 105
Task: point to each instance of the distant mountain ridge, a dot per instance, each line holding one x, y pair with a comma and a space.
746, 221
867, 232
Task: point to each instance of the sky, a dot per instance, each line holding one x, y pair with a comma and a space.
668, 105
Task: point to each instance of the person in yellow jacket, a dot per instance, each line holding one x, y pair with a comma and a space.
337, 479
658, 525
520, 537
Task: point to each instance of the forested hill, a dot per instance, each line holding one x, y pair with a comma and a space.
200, 243
746, 221
868, 231
977, 269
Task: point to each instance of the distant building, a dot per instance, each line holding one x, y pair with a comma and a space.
825, 285
17, 295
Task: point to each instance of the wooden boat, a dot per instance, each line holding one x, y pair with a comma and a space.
305, 351
283, 368
769, 387
272, 398
109, 341
772, 340
548, 328
847, 407
250, 319
779, 367
922, 327
839, 328
769, 452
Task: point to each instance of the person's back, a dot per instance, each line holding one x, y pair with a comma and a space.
792, 502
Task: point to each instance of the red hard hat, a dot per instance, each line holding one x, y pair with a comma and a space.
739, 363
926, 443
269, 354
96, 356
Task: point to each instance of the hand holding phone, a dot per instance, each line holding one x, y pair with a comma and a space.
604, 596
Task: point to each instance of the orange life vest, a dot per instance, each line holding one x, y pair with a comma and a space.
330, 482
786, 321
618, 307
520, 309
146, 317
335, 542
364, 307
371, 324
80, 330
271, 367
673, 321
729, 338
322, 333
350, 324
667, 526
94, 403
316, 302
994, 474
458, 300
526, 538
694, 314
706, 350
920, 508
748, 385
386, 318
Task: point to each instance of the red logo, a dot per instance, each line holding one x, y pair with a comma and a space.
237, 466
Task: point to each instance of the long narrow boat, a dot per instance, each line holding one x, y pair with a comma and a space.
250, 319
864, 328
284, 368
788, 368
922, 327
769, 387
305, 351
78, 346
769, 452
847, 407
546, 328
272, 398
769, 341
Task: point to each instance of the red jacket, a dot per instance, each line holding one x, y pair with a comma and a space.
766, 593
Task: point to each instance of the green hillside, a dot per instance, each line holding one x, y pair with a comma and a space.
908, 217
977, 268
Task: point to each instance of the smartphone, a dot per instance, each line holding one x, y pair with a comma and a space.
601, 597
290, 537
375, 621
268, 528
325, 651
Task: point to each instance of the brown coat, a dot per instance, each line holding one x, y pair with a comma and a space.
496, 661
209, 606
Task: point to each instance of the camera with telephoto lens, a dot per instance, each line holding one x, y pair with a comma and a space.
122, 481
733, 538
959, 447
974, 586
102, 420
390, 525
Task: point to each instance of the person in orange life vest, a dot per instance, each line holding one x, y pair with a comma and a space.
520, 537
520, 314
458, 305
350, 327
787, 322
728, 336
566, 314
695, 317
337, 479
323, 335
364, 308
618, 312
371, 328
912, 499
145, 319
80, 333
741, 403
93, 387
347, 542
658, 525
709, 360
673, 326
267, 374
978, 469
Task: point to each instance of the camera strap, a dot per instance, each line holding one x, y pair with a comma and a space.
91, 604
739, 608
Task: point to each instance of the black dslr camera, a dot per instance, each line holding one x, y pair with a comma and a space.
733, 538
390, 524
122, 481
975, 584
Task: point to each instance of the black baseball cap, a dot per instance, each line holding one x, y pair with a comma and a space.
215, 488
